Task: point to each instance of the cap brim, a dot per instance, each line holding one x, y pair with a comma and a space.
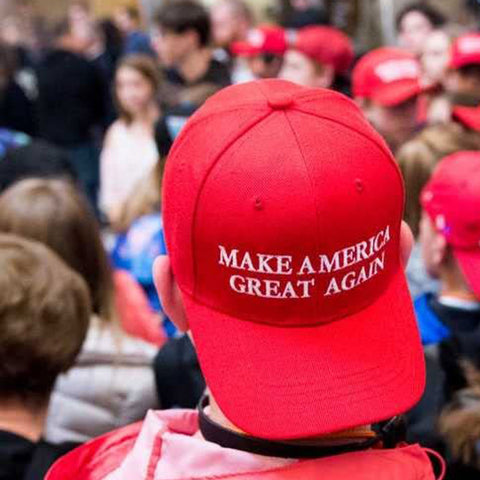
468, 116
290, 383
244, 49
469, 261
394, 94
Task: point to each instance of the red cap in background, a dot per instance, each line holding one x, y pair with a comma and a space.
325, 45
465, 50
452, 200
282, 209
263, 39
388, 76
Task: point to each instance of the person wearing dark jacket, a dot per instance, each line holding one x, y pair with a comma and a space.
449, 322
70, 105
16, 110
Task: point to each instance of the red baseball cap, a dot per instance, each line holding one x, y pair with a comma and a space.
465, 50
282, 212
468, 116
388, 76
325, 45
263, 39
452, 200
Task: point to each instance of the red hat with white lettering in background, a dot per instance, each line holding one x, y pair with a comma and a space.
452, 200
465, 51
387, 76
282, 210
325, 45
265, 39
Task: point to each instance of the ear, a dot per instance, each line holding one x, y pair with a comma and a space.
406, 243
169, 292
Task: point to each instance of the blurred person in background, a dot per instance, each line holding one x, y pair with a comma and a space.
415, 23
231, 22
182, 40
319, 57
37, 159
71, 106
93, 398
449, 321
435, 57
130, 152
417, 160
16, 110
135, 41
264, 50
386, 85
44, 317
81, 24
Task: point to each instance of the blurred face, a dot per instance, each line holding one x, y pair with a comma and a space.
298, 68
224, 26
134, 92
414, 30
396, 124
462, 85
265, 66
123, 21
172, 48
435, 56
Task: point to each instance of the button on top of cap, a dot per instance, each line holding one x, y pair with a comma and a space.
280, 100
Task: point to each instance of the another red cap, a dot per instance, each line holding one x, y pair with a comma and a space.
282, 212
388, 76
465, 50
452, 200
325, 45
468, 116
263, 39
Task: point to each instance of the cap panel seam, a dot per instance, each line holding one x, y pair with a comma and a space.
202, 186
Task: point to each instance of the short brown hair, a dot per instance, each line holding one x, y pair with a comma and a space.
147, 68
55, 213
418, 158
44, 317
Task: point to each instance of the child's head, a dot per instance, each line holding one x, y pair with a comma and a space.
55, 213
450, 224
317, 56
44, 316
463, 78
137, 83
386, 85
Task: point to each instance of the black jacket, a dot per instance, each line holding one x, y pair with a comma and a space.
70, 98
22, 459
16, 110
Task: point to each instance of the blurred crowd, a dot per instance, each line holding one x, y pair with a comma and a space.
89, 110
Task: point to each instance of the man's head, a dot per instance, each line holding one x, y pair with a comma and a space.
435, 56
231, 21
44, 316
182, 28
127, 19
414, 23
317, 56
463, 78
450, 225
285, 243
263, 49
386, 84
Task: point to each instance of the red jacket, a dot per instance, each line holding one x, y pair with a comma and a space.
165, 447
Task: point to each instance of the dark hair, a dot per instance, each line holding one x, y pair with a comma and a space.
133, 13
60, 29
435, 17
470, 70
147, 68
44, 317
183, 15
38, 159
